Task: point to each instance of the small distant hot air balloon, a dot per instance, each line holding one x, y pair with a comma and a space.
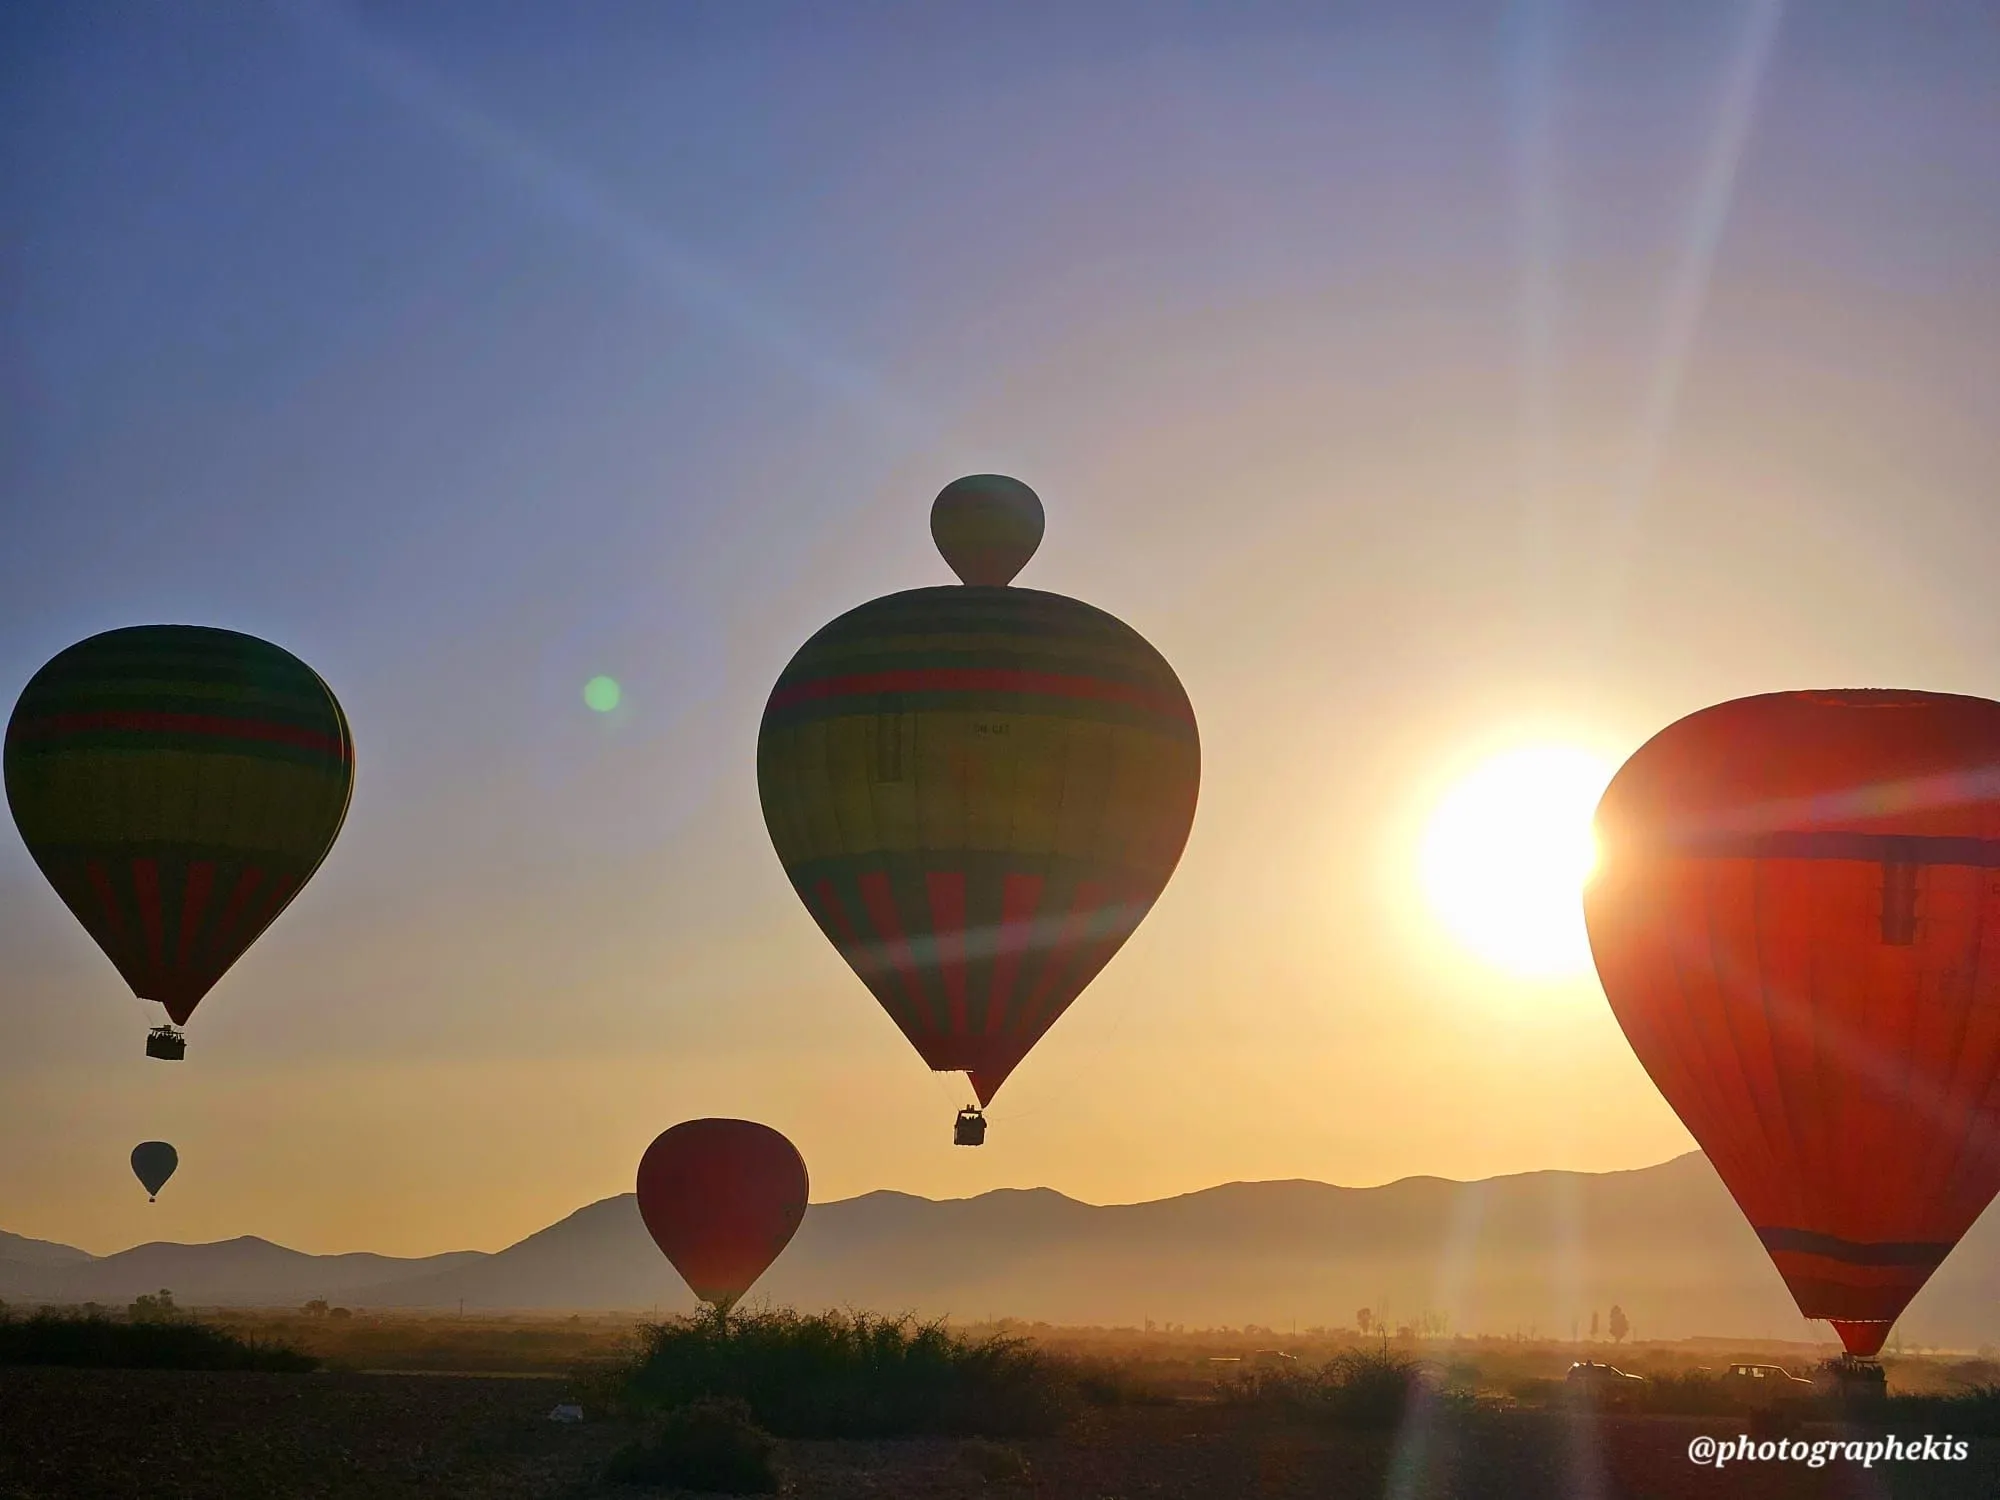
153, 1162
177, 785
722, 1199
1796, 917
978, 792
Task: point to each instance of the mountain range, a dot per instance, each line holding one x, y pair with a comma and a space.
1535, 1253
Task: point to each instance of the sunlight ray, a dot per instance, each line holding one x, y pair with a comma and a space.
664, 263
1531, 139
1687, 293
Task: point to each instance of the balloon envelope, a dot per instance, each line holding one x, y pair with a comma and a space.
177, 785
1796, 917
153, 1162
722, 1199
987, 526
978, 793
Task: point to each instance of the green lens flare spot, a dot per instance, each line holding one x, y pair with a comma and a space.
602, 694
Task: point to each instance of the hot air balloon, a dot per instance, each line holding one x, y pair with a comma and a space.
722, 1199
978, 791
153, 1162
177, 785
1796, 917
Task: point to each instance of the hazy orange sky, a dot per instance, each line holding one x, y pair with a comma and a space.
1420, 380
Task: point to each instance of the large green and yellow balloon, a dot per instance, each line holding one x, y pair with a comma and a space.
177, 785
979, 791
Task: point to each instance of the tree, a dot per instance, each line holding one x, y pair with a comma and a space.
1619, 1326
315, 1308
1593, 1322
1364, 1319
157, 1307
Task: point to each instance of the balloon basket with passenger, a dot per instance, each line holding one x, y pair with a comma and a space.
970, 1128
1849, 1375
168, 1042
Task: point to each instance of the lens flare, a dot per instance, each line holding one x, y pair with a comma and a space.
1506, 855
602, 694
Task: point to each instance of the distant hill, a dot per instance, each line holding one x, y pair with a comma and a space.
1527, 1253
20, 1250
243, 1272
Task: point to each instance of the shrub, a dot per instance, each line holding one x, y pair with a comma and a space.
92, 1340
157, 1307
710, 1444
1690, 1393
1358, 1388
852, 1375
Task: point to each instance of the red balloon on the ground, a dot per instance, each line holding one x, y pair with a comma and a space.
1797, 920
721, 1199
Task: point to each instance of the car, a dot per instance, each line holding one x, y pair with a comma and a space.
1760, 1384
1603, 1385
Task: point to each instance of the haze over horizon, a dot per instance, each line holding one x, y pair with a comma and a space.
1422, 384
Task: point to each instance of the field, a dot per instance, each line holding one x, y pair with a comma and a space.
1167, 1423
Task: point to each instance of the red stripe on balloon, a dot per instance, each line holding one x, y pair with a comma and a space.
1020, 897
146, 886
194, 901
981, 680
232, 912
100, 882
947, 894
279, 893
880, 900
156, 722
1090, 895
835, 916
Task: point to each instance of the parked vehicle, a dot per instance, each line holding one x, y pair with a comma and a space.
1760, 1385
1603, 1385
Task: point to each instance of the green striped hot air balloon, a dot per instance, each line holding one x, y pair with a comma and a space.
177, 785
978, 792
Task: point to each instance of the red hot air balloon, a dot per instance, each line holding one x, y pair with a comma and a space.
1796, 918
722, 1199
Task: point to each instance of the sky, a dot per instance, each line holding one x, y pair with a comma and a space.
1424, 381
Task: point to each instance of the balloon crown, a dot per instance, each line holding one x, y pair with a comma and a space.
987, 526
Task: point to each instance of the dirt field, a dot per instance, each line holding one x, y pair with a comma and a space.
165, 1435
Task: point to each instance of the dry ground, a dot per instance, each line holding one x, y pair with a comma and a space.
168, 1435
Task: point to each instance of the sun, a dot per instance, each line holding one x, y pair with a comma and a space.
1506, 854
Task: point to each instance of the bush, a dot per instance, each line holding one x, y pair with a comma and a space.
1358, 1388
94, 1341
153, 1308
1102, 1382
1689, 1393
709, 1444
852, 1375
